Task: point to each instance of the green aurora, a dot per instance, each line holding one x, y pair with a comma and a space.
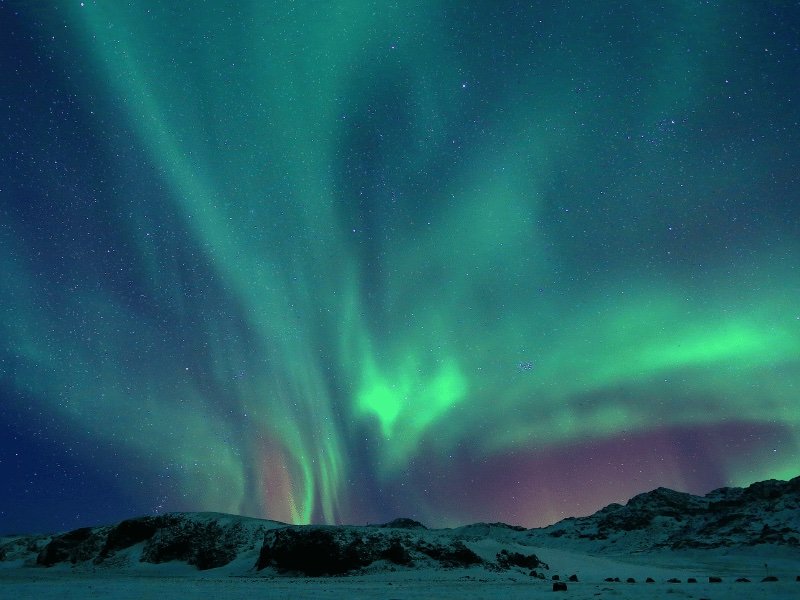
361, 240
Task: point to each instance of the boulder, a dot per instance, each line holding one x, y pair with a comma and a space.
537, 575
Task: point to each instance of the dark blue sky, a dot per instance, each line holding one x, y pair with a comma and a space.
508, 262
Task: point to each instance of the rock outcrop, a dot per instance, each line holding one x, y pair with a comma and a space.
767, 512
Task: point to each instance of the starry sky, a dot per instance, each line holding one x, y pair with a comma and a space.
343, 262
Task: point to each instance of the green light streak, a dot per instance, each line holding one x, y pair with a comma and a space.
407, 405
411, 334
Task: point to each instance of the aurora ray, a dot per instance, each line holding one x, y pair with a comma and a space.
336, 264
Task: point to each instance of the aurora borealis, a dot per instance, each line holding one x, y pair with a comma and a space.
343, 262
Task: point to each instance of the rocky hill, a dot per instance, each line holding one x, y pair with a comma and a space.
202, 540
338, 550
767, 512
239, 545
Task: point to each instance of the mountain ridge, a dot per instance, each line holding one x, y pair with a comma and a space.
763, 513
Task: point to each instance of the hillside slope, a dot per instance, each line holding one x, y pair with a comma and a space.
767, 512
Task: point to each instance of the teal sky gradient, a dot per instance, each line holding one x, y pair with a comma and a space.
340, 263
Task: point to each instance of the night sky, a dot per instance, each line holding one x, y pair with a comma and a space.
340, 262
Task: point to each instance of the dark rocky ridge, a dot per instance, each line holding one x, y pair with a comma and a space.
205, 543
337, 550
766, 512
209, 541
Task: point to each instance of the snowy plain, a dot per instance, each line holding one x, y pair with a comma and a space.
176, 580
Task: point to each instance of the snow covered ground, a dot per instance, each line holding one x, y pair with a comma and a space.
173, 580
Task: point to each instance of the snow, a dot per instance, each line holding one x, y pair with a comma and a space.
176, 580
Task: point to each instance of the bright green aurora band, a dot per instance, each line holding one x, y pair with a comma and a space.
435, 236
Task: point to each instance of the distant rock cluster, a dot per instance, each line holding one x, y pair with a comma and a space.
711, 579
